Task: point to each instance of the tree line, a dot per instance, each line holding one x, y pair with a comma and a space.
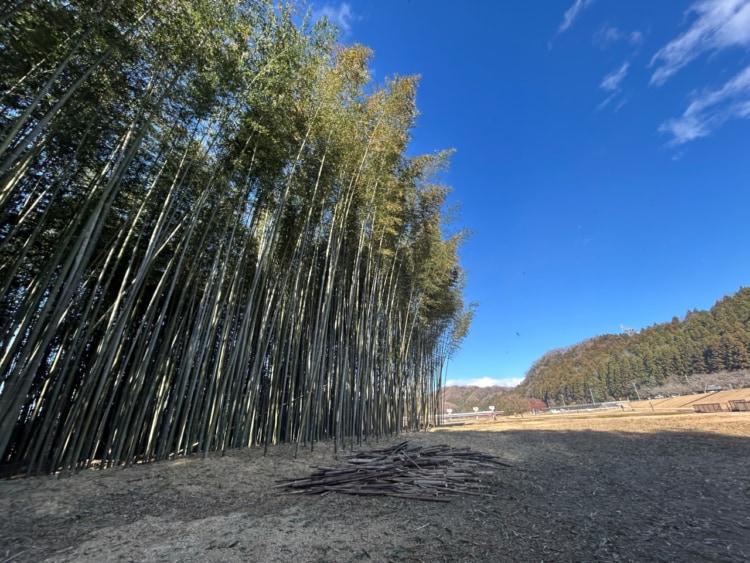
616, 366
211, 236
505, 400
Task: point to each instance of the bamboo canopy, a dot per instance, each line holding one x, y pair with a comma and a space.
211, 236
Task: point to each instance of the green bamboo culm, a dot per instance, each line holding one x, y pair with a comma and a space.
211, 237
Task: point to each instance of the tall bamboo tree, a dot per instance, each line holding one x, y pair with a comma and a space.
211, 236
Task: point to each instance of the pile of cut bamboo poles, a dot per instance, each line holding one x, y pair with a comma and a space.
432, 473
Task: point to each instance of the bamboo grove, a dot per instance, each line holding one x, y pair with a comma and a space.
211, 236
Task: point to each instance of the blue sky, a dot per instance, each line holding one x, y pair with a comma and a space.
602, 158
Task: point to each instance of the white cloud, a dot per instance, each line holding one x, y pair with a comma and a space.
606, 36
720, 24
606, 101
485, 382
572, 13
636, 37
614, 79
710, 109
612, 83
342, 16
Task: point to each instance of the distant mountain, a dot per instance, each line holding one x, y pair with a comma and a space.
616, 366
464, 399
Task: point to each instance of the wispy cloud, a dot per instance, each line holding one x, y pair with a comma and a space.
612, 83
614, 79
572, 13
720, 24
341, 16
710, 109
607, 35
636, 37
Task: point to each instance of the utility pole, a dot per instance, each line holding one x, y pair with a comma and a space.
636, 391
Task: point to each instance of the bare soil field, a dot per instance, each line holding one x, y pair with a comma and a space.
586, 487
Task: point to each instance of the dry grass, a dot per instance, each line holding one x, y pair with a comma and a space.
686, 402
725, 424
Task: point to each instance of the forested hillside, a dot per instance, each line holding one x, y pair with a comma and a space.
615, 366
465, 398
211, 235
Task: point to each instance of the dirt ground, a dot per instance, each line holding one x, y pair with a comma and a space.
624, 487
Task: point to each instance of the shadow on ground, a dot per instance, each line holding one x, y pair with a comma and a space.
573, 496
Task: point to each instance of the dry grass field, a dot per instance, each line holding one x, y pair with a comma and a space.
686, 402
623, 486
